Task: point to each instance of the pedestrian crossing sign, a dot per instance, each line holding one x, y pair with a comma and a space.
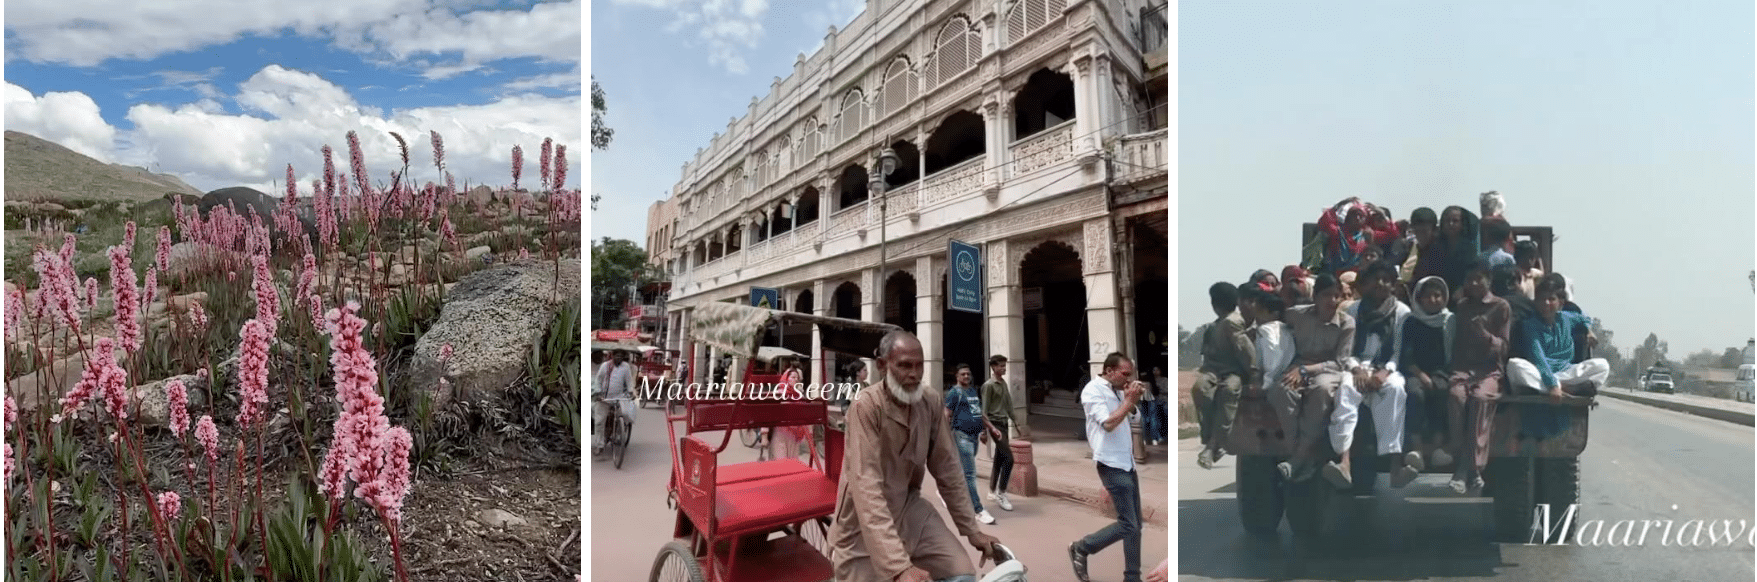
765, 297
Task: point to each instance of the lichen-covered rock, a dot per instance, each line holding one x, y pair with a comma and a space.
492, 319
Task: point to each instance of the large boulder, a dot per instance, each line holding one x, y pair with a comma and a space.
27, 390
492, 319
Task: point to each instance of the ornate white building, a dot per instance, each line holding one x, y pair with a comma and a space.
1033, 129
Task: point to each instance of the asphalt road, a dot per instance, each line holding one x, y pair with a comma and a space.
630, 521
1641, 463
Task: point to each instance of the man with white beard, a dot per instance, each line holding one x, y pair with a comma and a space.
884, 530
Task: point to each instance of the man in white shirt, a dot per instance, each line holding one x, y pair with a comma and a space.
1373, 380
1108, 405
614, 382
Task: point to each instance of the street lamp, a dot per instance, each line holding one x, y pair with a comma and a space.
887, 163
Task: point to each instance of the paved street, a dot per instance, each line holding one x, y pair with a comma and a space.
630, 521
1639, 463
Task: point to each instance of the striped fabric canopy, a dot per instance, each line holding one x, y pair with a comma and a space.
738, 329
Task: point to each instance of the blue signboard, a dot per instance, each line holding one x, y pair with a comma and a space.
965, 291
765, 297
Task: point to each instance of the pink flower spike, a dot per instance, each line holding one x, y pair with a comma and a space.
438, 151
178, 396
208, 436
253, 372
91, 292
560, 167
268, 299
394, 480
198, 316
128, 236
127, 298
170, 505
164, 251
152, 286
518, 165
543, 163
6, 449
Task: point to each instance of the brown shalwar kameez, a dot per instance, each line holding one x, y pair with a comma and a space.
1478, 350
882, 525
1329, 345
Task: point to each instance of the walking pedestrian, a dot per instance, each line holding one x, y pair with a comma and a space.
964, 412
997, 409
1108, 400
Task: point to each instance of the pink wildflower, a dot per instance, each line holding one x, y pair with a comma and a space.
170, 505
68, 247
543, 163
253, 372
307, 278
91, 378
197, 316
359, 161
164, 251
518, 165
127, 298
524, 254
208, 436
438, 151
332, 477
6, 449
58, 289
91, 292
315, 304
114, 389
152, 286
178, 396
11, 412
128, 236
268, 299
449, 234
14, 314
445, 353
393, 480
560, 166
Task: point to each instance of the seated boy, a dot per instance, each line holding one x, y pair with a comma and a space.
1226, 362
1372, 379
1545, 357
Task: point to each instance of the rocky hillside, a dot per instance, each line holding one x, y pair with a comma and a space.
38, 169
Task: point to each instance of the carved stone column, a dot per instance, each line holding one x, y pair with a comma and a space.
1103, 318
928, 319
820, 306
1085, 111
1006, 324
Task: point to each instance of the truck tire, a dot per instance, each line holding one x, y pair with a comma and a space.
1558, 484
1307, 503
1514, 496
1363, 462
1259, 494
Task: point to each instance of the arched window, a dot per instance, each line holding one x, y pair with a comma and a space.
900, 83
784, 157
1027, 16
852, 120
808, 139
955, 50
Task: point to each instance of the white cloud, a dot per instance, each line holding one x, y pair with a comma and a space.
85, 33
67, 118
568, 81
288, 116
726, 28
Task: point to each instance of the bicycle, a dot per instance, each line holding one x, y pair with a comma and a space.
617, 430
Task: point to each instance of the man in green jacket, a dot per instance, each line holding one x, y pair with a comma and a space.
997, 412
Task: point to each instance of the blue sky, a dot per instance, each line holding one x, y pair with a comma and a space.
223, 96
1626, 126
671, 82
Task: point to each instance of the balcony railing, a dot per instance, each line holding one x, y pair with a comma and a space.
1043, 150
951, 182
1140, 156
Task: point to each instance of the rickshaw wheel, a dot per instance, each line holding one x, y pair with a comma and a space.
817, 533
619, 442
676, 564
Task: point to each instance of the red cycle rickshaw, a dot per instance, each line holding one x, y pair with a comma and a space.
728, 513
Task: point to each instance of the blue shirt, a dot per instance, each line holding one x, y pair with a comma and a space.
1498, 257
964, 405
1550, 347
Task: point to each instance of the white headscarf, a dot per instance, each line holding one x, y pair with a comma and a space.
1442, 319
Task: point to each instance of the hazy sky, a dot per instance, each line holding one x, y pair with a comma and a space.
1626, 126
223, 95
674, 72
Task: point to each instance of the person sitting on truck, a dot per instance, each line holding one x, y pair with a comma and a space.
1296, 286
1545, 358
1373, 380
884, 530
1275, 351
1526, 259
1479, 346
1497, 235
1504, 283
1584, 341
1265, 280
1426, 355
1323, 340
1226, 362
1456, 245
1348, 229
1423, 260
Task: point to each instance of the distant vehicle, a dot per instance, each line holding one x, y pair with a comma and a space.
1658, 379
1742, 391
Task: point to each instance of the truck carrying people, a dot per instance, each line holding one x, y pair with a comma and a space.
1440, 344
